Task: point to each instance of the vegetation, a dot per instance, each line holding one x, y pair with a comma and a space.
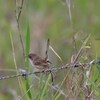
73, 29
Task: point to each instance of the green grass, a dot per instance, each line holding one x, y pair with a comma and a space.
50, 19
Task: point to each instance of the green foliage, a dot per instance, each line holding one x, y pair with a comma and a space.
50, 18
27, 60
45, 89
27, 45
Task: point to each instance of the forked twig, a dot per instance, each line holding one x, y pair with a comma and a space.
20, 9
18, 13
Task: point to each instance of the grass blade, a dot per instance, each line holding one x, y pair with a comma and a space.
56, 54
45, 87
27, 60
27, 44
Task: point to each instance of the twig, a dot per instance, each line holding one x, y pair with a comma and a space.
18, 13
20, 9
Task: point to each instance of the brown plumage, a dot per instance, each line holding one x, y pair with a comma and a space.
38, 62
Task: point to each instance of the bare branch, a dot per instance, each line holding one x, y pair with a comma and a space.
18, 13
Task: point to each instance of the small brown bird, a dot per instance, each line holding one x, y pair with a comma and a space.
38, 63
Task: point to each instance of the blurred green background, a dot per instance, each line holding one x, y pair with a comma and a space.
47, 19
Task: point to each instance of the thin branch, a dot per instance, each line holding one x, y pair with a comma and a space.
18, 13
20, 9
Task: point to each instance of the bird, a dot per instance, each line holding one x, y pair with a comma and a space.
38, 62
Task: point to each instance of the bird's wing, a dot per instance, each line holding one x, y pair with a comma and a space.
41, 62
